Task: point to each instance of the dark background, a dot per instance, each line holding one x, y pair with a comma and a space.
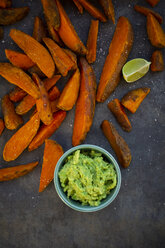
136, 218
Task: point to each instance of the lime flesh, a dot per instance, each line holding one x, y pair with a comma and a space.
135, 69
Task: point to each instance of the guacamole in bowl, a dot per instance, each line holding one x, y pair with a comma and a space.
87, 178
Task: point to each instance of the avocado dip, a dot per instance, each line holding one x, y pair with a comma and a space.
88, 178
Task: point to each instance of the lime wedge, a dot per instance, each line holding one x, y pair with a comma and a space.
135, 69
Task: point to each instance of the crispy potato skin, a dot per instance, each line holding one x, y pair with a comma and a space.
12, 15
118, 144
157, 63
39, 31
108, 9
134, 98
117, 109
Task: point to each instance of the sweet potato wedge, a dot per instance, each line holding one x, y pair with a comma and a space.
54, 93
79, 6
117, 143
145, 11
19, 59
12, 15
51, 13
2, 126
61, 59
118, 111
70, 92
28, 101
153, 3
92, 41
93, 11
52, 153
72, 56
17, 94
155, 32
54, 35
68, 34
108, 9
157, 63
34, 50
134, 98
43, 103
11, 173
5, 4
46, 131
119, 50
39, 31
21, 139
1, 33
12, 120
85, 106
18, 77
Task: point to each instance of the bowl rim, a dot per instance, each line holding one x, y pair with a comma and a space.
62, 195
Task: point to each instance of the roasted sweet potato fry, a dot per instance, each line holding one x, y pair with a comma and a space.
43, 103
70, 92
11, 173
119, 50
134, 98
28, 101
153, 3
61, 59
157, 63
118, 111
5, 4
34, 50
12, 15
108, 9
54, 35
46, 131
54, 93
92, 41
72, 56
21, 139
51, 13
17, 94
79, 6
145, 11
52, 153
18, 77
117, 143
85, 106
12, 120
155, 32
68, 33
39, 31
2, 126
93, 11
19, 59
1, 33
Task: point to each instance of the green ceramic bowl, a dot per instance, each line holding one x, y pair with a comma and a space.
75, 204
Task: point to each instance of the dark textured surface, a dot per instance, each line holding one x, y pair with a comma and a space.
136, 218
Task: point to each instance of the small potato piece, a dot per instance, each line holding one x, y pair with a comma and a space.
52, 153
117, 143
153, 3
46, 131
2, 126
108, 9
118, 111
17, 94
157, 63
134, 98
39, 31
12, 120
19, 59
155, 32
21, 139
12, 15
145, 11
70, 92
11, 173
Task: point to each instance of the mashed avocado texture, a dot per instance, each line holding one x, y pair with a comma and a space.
87, 177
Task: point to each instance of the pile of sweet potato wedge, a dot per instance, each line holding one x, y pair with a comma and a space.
49, 54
